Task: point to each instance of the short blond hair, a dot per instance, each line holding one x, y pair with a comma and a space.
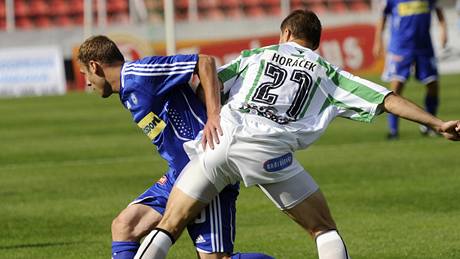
99, 48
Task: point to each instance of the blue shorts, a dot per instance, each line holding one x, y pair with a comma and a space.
213, 231
398, 67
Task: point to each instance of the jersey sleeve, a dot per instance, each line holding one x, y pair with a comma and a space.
162, 73
229, 73
354, 98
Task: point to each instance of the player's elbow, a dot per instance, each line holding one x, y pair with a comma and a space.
205, 61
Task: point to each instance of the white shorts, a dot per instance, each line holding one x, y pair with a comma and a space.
285, 194
288, 193
253, 149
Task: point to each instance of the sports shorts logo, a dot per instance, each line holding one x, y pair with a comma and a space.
278, 163
152, 125
200, 239
162, 180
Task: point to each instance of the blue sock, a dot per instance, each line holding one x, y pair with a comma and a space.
124, 250
431, 104
251, 256
393, 123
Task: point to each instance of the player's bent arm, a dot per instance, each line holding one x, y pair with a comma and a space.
210, 83
442, 26
211, 88
408, 110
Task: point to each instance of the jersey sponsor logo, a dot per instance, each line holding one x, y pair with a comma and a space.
152, 125
298, 62
278, 163
413, 8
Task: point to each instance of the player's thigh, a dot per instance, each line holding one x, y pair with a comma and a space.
135, 221
426, 69
313, 214
397, 67
300, 198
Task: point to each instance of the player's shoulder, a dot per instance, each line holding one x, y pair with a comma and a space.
173, 59
255, 51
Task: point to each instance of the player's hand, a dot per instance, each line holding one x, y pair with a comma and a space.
211, 131
451, 130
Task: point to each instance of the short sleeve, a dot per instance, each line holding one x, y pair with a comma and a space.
229, 73
355, 98
161, 73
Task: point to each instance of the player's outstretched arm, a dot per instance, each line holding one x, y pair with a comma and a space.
211, 87
408, 110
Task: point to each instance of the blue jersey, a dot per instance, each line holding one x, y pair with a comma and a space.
156, 92
410, 26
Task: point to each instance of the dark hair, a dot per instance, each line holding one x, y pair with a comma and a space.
304, 25
99, 48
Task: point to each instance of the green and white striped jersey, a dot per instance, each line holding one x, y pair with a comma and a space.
298, 88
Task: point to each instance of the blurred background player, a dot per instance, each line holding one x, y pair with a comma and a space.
457, 8
156, 91
410, 47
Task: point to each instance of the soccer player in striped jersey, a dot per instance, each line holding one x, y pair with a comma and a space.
281, 99
156, 90
410, 47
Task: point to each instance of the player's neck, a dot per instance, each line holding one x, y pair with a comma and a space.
302, 43
112, 75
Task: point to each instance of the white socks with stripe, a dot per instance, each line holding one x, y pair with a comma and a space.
155, 245
330, 246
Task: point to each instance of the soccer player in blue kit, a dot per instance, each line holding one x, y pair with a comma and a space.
157, 92
410, 47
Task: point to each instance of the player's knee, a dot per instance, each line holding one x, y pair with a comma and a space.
432, 89
131, 224
122, 227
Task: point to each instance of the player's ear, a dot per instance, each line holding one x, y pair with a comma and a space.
288, 34
96, 68
285, 35
92, 66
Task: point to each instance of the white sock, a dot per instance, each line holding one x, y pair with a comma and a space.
155, 245
330, 246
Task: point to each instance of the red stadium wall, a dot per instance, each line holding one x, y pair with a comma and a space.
349, 47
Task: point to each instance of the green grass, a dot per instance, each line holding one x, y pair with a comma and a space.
69, 164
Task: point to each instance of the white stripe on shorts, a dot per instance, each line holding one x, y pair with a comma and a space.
216, 225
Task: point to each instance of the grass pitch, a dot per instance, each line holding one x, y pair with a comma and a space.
69, 164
